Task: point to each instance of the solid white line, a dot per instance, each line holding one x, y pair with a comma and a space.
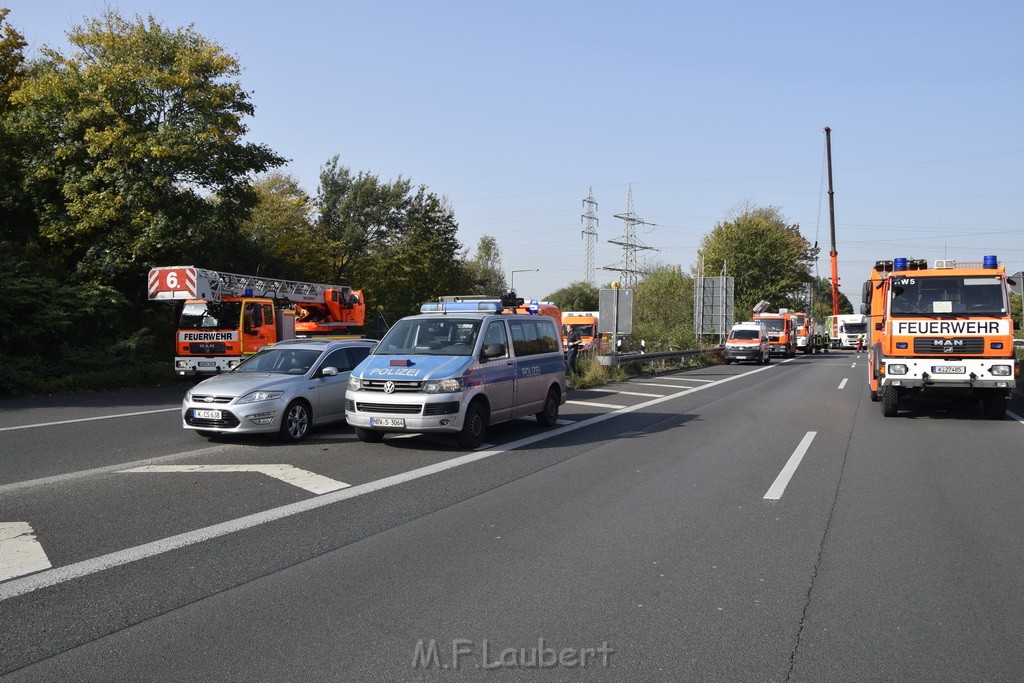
314, 483
687, 379
89, 419
653, 384
52, 577
629, 393
592, 404
20, 552
843, 383
1015, 416
781, 481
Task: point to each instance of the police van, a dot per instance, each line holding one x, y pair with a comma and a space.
456, 368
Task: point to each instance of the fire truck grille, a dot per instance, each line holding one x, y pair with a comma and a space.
940, 346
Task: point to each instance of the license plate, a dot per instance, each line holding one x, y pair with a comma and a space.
741, 357
207, 364
949, 369
387, 422
206, 414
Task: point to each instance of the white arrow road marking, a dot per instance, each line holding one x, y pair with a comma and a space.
314, 483
20, 552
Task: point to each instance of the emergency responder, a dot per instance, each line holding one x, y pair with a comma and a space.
572, 343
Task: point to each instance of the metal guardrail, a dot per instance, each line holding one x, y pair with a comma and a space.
637, 357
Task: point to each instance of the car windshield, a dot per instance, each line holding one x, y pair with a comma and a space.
855, 328
948, 294
773, 324
746, 334
208, 315
285, 361
431, 336
584, 329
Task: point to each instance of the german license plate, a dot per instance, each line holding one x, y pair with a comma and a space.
387, 422
207, 364
206, 414
949, 369
741, 357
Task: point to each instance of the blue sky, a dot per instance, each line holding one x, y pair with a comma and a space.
514, 110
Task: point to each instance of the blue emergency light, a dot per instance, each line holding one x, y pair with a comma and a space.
899, 263
990, 262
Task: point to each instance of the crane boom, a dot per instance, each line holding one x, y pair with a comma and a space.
833, 254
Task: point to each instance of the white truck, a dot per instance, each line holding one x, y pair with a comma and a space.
844, 331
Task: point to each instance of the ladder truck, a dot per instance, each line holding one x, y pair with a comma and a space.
227, 317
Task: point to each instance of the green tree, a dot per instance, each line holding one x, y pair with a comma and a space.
280, 231
138, 155
17, 220
398, 246
768, 258
485, 269
577, 296
663, 310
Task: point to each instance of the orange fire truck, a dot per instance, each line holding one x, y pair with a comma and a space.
227, 317
781, 331
940, 331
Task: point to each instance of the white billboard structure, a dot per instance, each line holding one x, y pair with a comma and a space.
713, 304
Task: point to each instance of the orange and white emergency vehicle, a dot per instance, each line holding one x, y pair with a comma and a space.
781, 331
227, 317
803, 326
943, 331
585, 322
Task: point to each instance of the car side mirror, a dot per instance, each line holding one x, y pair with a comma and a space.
329, 371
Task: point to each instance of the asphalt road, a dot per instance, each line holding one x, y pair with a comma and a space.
726, 523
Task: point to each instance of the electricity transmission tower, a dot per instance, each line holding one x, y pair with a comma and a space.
627, 267
589, 234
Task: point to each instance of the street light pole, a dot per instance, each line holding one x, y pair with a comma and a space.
512, 280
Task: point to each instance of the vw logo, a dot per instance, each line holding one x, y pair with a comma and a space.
389, 387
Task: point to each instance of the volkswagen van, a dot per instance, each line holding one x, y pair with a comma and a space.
457, 368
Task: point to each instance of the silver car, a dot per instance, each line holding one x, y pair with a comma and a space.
285, 389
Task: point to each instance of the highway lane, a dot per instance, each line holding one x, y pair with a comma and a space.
648, 531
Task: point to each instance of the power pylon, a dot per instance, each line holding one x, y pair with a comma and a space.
627, 267
589, 234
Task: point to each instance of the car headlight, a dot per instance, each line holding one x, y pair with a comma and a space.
354, 383
257, 396
443, 386
1000, 370
896, 369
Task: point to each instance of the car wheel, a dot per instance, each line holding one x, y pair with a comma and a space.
295, 422
369, 435
474, 426
549, 416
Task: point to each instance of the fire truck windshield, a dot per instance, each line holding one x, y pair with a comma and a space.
947, 294
206, 315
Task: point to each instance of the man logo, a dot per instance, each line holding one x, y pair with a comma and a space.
389, 387
948, 345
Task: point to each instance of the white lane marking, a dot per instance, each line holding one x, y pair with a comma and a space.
58, 575
686, 379
1015, 416
592, 404
304, 479
843, 383
629, 393
653, 384
90, 419
20, 552
781, 481
854, 365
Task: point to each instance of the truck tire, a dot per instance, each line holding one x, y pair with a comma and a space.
994, 405
889, 398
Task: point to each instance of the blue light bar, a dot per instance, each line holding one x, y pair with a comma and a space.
461, 307
899, 264
990, 262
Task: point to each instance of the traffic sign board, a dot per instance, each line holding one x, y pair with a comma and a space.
1018, 283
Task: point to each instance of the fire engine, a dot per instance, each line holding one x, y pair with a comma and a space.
781, 331
941, 331
227, 317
